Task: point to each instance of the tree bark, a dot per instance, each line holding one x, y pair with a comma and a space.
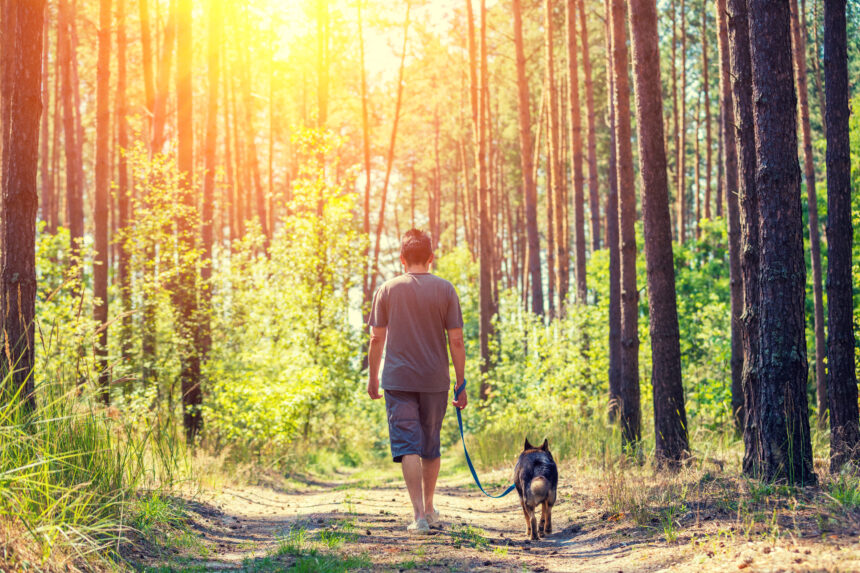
842, 384
631, 416
697, 165
487, 264
526, 151
365, 140
612, 236
575, 126
561, 271
593, 181
159, 113
122, 192
102, 199
74, 184
750, 247
799, 52
678, 231
251, 159
210, 158
670, 418
146, 61
192, 394
730, 156
47, 182
681, 136
707, 103
785, 449
21, 58
380, 223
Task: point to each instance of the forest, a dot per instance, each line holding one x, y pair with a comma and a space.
646, 207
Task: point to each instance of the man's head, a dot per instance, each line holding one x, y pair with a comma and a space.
416, 249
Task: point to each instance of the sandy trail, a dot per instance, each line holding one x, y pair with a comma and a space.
246, 528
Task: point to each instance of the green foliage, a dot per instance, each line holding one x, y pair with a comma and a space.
285, 357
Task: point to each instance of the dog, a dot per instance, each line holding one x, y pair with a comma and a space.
536, 480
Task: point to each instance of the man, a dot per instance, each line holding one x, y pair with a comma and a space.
412, 313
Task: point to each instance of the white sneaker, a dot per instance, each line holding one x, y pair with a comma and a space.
418, 527
434, 518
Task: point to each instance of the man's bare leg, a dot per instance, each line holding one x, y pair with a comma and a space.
429, 472
412, 474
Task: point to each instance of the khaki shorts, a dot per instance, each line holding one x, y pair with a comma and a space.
414, 422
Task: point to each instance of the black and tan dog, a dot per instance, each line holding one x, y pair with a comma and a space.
536, 480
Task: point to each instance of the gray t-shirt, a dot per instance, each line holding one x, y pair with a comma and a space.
417, 308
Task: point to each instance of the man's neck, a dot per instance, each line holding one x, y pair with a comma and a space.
418, 269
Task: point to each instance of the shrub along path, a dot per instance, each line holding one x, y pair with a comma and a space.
601, 523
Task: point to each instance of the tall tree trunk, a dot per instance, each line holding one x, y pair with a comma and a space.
750, 242
47, 199
214, 70
727, 127
365, 140
322, 62
593, 182
678, 231
799, 51
122, 192
380, 223
631, 415
785, 449
842, 384
487, 299
707, 103
230, 181
165, 61
561, 273
670, 418
575, 126
74, 184
57, 208
250, 141
697, 165
102, 199
192, 395
146, 61
551, 269
681, 136
526, 150
721, 192
820, 89
612, 236
21, 62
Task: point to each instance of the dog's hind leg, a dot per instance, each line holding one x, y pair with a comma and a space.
546, 517
533, 526
545, 527
528, 519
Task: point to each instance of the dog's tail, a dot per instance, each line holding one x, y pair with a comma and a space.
539, 488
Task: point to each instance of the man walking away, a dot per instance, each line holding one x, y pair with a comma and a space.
409, 319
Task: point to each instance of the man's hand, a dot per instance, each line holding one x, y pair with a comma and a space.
373, 388
462, 400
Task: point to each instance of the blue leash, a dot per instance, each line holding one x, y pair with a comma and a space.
465, 451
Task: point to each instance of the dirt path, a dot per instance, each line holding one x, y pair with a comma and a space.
357, 522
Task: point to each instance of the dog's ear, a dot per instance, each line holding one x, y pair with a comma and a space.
527, 445
545, 445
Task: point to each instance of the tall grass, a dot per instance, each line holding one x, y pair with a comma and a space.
71, 471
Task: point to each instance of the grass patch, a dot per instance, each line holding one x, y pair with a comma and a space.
845, 491
469, 535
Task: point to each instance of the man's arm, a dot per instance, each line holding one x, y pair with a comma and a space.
374, 355
458, 357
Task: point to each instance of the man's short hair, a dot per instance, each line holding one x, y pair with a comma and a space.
416, 247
